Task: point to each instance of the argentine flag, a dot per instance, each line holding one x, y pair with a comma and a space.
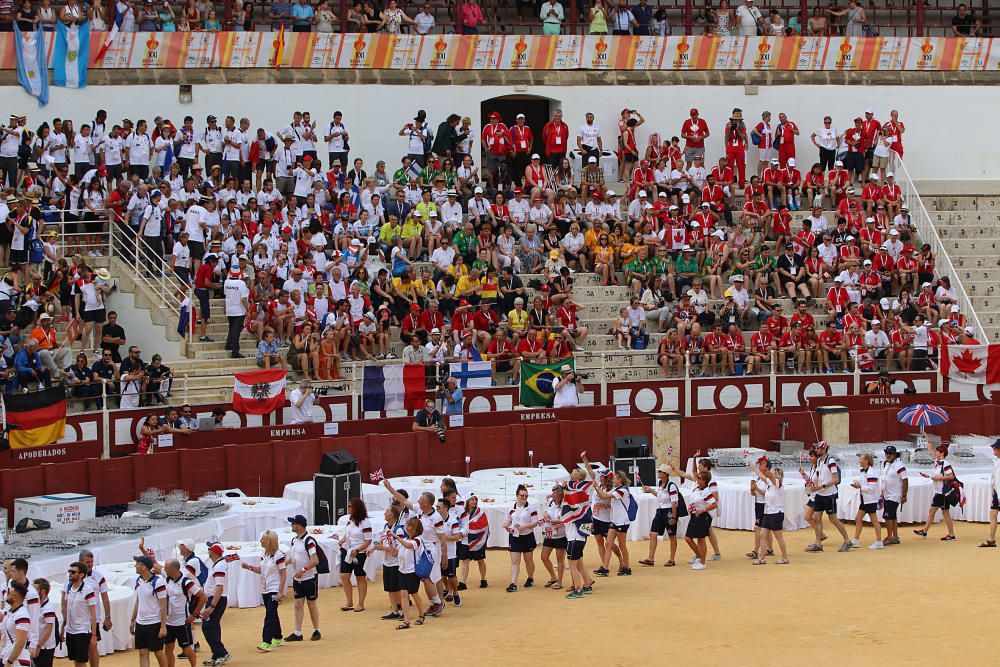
71, 55
32, 71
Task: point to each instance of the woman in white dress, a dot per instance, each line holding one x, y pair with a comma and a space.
723, 19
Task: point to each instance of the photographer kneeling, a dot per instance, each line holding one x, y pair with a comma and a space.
430, 420
452, 396
567, 390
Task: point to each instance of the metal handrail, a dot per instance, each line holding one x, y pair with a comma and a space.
928, 234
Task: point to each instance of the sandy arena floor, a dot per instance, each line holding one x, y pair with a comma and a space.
922, 603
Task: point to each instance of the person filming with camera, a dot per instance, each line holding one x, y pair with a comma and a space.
301, 400
567, 390
451, 394
430, 420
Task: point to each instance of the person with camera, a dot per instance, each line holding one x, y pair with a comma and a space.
882, 385
451, 394
301, 400
430, 420
567, 389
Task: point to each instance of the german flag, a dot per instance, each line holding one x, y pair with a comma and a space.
36, 419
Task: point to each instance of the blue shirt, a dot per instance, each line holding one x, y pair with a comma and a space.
280, 10
302, 13
453, 402
643, 15
267, 348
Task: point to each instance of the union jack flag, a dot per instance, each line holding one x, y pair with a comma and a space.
576, 501
377, 476
479, 530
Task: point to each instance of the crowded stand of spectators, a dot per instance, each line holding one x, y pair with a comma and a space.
322, 262
549, 17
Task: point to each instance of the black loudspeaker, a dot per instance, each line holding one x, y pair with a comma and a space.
645, 466
631, 446
331, 493
338, 463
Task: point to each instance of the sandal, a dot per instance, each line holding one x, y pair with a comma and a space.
405, 625
781, 561
669, 563
548, 584
420, 620
759, 561
752, 555
347, 608
646, 562
557, 586
359, 609
989, 543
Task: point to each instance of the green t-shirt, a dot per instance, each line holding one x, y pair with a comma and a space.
638, 266
464, 243
660, 266
685, 264
760, 263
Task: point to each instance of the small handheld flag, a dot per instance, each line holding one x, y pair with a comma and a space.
377, 476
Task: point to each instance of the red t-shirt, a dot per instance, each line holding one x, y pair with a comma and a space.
204, 276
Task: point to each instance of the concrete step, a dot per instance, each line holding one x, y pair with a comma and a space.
963, 203
970, 230
974, 261
983, 247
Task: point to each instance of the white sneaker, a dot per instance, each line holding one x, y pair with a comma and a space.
692, 561
98, 253
90, 253
856, 544
698, 565
876, 545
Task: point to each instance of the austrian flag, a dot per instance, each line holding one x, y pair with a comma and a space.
973, 364
259, 392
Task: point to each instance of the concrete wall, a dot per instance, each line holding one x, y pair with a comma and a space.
946, 124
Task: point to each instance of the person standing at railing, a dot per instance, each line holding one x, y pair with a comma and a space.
151, 233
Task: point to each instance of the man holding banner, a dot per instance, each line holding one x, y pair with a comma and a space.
550, 385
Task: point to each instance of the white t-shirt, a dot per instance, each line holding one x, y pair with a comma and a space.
619, 506
112, 148
892, 480
774, 498
192, 223
182, 255
871, 487
178, 592
231, 152
10, 142
303, 549
589, 134
150, 592
139, 146
218, 575
335, 132
47, 616
357, 535
235, 290
826, 137
270, 571
79, 602
748, 18
301, 414
827, 470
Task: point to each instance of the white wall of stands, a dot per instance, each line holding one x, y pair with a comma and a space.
946, 125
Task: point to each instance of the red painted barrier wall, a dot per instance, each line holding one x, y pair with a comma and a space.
709, 432
265, 467
802, 426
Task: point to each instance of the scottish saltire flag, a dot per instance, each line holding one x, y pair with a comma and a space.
71, 55
479, 530
400, 387
576, 501
472, 374
32, 70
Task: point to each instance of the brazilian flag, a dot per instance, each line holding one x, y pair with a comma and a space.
538, 382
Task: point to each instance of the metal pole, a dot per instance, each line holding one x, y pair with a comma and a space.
185, 388
687, 383
774, 378
857, 374
105, 421
603, 398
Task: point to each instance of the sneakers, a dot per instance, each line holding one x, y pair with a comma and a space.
512, 588
264, 646
845, 547
698, 565
814, 549
715, 557
392, 616
529, 582
391, 355
462, 586
587, 590
294, 637
625, 572
206, 339
856, 544
275, 643
316, 636
436, 609
458, 601
876, 545
948, 538
448, 598
483, 583
891, 540
601, 572
692, 560
574, 595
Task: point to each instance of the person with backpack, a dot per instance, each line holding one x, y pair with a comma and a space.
185, 599
622, 514
947, 491
304, 563
670, 507
700, 524
412, 554
521, 521
821, 485
216, 588
149, 617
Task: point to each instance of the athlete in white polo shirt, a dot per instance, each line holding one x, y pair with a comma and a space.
825, 478
149, 618
895, 486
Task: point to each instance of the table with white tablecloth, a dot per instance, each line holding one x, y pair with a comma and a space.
259, 513
122, 600
539, 477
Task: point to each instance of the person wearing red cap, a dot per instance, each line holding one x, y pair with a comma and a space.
237, 296
215, 589
694, 131
497, 140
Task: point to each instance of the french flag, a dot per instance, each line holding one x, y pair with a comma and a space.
71, 55
479, 530
400, 387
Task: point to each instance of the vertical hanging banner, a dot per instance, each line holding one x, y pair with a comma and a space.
32, 72
71, 55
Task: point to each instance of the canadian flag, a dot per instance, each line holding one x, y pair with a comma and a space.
259, 392
973, 364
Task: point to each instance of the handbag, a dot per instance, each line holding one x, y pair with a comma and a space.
423, 565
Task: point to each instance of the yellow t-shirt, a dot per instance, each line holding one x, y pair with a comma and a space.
466, 286
423, 288
458, 272
517, 322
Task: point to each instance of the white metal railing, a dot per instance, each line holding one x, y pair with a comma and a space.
928, 234
152, 270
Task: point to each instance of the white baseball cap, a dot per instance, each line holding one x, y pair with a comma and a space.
969, 331
868, 262
889, 174
694, 223
955, 308
684, 198
520, 115
791, 162
477, 191
592, 159
893, 232
536, 156
642, 193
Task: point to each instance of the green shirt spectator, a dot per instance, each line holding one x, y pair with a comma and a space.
686, 263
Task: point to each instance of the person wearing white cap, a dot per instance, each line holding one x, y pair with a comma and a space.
237, 296
523, 140
878, 344
536, 177
591, 179
892, 195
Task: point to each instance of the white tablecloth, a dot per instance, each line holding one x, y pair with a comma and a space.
259, 514
509, 478
122, 602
